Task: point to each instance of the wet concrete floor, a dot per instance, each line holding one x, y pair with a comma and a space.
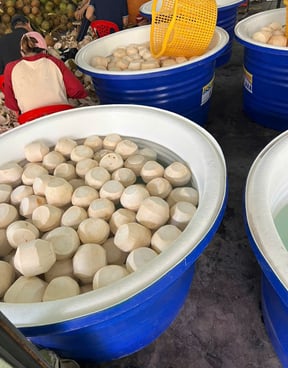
220, 324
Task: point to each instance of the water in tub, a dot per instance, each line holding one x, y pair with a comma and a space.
281, 223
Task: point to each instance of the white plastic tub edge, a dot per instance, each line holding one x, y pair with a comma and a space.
266, 187
245, 29
137, 35
146, 8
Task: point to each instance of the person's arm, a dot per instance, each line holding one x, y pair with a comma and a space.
74, 87
10, 100
79, 13
125, 21
125, 16
90, 13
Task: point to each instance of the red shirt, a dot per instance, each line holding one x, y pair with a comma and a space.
39, 80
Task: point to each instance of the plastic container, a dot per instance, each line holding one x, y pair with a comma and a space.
182, 27
265, 86
103, 28
119, 319
185, 88
266, 205
227, 18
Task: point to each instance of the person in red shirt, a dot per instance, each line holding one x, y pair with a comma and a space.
38, 79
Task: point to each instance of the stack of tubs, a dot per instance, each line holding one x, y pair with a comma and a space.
123, 317
266, 212
265, 87
227, 18
185, 88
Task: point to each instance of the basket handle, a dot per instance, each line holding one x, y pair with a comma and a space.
156, 54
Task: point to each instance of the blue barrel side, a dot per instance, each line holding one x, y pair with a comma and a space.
104, 336
186, 90
275, 315
267, 270
227, 18
265, 86
121, 330
274, 302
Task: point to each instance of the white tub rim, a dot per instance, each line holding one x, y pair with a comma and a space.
228, 3
242, 35
146, 8
262, 204
221, 38
38, 314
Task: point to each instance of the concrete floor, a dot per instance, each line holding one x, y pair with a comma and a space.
220, 325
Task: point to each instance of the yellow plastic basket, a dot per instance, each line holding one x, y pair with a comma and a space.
182, 27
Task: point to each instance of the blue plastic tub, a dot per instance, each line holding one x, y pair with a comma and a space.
266, 211
122, 318
121, 329
227, 18
265, 86
185, 89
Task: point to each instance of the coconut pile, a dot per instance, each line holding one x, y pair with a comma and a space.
56, 44
46, 16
